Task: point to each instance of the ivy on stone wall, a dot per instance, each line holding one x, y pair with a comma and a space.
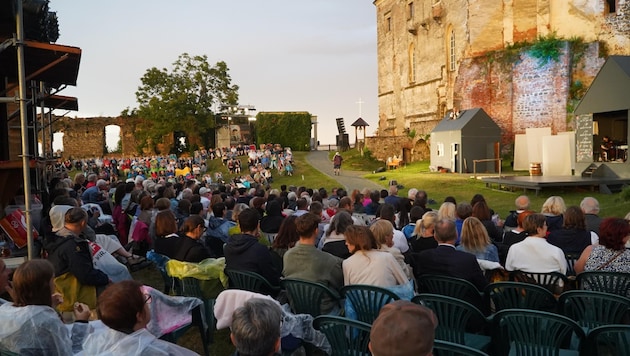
289, 129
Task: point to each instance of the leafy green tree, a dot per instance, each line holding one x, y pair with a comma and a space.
290, 129
182, 99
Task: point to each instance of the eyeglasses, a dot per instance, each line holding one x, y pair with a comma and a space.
203, 228
147, 299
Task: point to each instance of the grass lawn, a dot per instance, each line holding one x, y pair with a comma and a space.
304, 175
353, 161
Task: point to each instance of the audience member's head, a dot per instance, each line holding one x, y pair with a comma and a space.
383, 232
340, 222
426, 224
33, 283
248, 220
447, 211
535, 225
522, 203
194, 227
554, 205
590, 205
165, 223
613, 233
445, 231
306, 225
124, 307
359, 238
521, 217
403, 328
287, 234
573, 218
255, 329
463, 210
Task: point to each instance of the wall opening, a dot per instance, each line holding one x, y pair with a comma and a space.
113, 141
57, 144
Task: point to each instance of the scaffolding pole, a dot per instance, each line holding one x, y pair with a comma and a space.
19, 42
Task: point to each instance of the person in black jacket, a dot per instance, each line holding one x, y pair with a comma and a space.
244, 252
190, 249
68, 249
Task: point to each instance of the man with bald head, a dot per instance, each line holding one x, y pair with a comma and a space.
522, 204
590, 208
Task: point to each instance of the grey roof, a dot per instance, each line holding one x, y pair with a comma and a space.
360, 122
481, 118
610, 90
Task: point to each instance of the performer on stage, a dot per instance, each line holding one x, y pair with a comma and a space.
608, 150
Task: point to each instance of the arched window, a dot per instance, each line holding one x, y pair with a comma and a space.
412, 63
451, 50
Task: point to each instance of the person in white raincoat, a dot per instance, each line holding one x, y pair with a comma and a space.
30, 325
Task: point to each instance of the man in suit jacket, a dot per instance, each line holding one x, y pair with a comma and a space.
446, 260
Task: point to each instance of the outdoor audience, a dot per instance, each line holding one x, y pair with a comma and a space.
291, 232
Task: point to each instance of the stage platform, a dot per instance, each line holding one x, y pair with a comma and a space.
605, 185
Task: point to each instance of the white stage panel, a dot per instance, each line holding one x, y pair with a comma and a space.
521, 160
572, 146
534, 142
556, 156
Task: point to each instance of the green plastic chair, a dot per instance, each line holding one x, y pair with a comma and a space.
306, 297
516, 295
458, 321
250, 281
6, 352
346, 336
367, 300
608, 282
607, 340
531, 332
592, 309
445, 348
453, 287
555, 282
571, 258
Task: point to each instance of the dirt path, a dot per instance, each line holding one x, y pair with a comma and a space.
349, 179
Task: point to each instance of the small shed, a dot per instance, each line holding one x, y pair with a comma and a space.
465, 136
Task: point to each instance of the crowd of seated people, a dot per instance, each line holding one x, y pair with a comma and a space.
335, 238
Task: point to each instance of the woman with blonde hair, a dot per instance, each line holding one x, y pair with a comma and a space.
383, 232
422, 238
447, 211
552, 209
475, 240
368, 265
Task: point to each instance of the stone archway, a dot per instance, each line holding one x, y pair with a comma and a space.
113, 139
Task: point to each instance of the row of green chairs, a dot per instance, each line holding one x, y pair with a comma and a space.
518, 332
351, 337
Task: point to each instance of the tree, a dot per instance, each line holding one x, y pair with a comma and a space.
289, 129
182, 99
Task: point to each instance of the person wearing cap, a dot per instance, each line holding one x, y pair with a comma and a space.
68, 249
403, 328
206, 195
337, 163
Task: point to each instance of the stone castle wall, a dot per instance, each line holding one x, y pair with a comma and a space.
417, 85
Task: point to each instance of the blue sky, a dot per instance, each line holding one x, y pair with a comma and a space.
285, 55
